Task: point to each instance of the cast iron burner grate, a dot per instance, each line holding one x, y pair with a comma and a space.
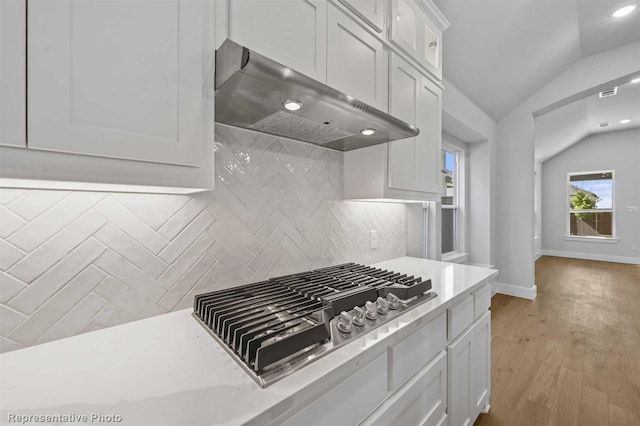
277, 325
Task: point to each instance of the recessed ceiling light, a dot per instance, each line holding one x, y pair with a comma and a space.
292, 105
625, 121
624, 11
636, 80
368, 132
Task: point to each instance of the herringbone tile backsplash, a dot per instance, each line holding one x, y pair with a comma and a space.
72, 262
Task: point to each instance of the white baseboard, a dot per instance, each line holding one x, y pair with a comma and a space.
515, 290
537, 255
592, 256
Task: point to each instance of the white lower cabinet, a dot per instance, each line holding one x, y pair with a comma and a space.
349, 402
408, 356
419, 379
421, 401
469, 373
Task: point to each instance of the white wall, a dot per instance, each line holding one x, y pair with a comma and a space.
514, 210
480, 232
618, 151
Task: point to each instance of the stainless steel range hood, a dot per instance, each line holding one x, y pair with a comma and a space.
253, 92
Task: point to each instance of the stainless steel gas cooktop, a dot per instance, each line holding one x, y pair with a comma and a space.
273, 328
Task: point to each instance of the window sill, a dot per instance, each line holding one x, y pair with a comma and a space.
454, 257
605, 240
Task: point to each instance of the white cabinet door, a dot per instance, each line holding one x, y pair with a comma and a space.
405, 26
430, 124
13, 27
356, 61
460, 358
370, 11
404, 99
292, 32
469, 358
413, 162
481, 379
121, 79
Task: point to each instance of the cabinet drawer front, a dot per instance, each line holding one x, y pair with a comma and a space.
349, 402
481, 301
411, 354
422, 401
460, 317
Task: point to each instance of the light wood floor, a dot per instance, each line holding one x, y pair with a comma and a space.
572, 356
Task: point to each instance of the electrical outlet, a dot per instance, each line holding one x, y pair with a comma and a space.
634, 248
373, 238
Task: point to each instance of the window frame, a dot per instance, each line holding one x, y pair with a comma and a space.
569, 210
459, 203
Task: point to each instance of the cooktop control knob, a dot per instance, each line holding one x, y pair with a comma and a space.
393, 301
383, 306
358, 316
371, 310
344, 322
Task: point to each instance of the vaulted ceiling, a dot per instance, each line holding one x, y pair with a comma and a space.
500, 52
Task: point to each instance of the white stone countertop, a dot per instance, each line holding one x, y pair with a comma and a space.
167, 370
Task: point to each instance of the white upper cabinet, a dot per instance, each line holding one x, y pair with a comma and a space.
407, 169
356, 61
416, 33
404, 25
416, 100
370, 11
12, 72
292, 32
121, 79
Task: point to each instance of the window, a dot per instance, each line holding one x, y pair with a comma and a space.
449, 195
590, 204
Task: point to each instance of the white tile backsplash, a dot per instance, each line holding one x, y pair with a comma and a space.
74, 262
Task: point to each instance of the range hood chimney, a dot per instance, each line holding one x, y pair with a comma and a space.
256, 93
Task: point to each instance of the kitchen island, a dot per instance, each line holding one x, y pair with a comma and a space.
167, 370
